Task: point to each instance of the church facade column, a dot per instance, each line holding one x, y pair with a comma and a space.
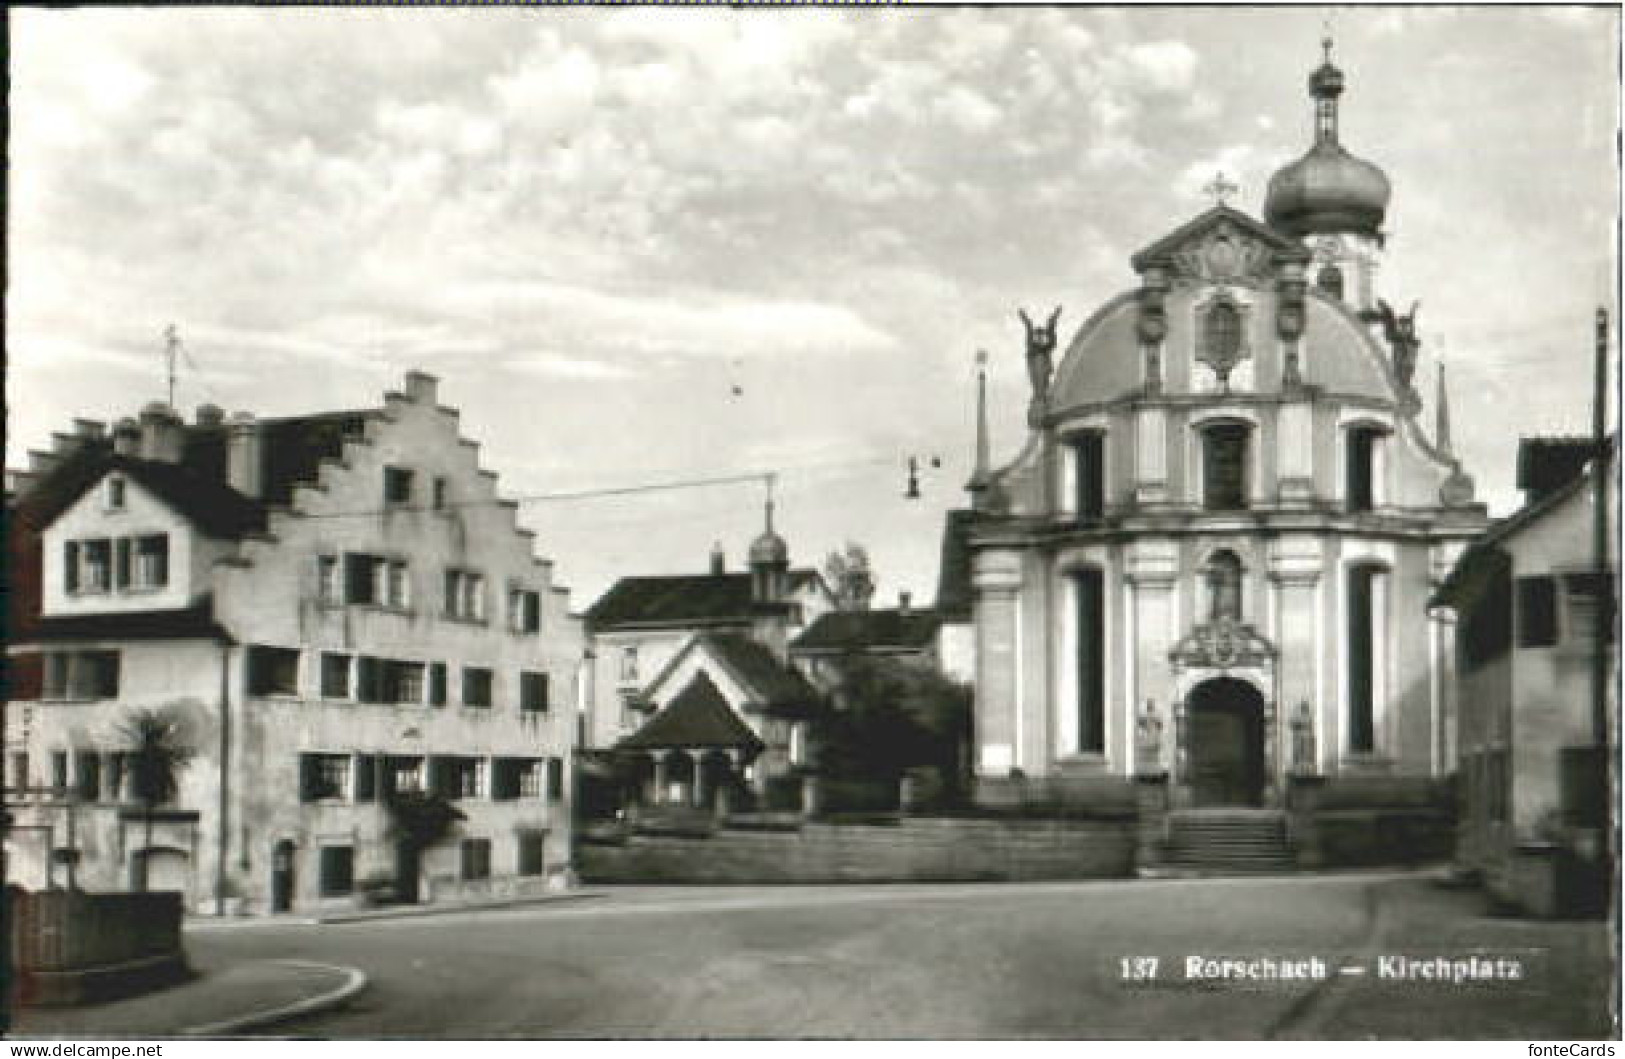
997, 579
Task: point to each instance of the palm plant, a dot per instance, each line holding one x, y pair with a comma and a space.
157, 751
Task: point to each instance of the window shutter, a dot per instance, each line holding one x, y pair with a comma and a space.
70, 565
1537, 611
121, 565
308, 781
366, 777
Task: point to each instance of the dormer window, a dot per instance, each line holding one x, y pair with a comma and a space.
1330, 281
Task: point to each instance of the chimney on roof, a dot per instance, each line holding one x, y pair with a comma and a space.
162, 433
210, 415
244, 460
90, 429
422, 387
42, 463
904, 600
127, 437
719, 563
65, 445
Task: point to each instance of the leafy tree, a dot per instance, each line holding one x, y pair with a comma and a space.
158, 749
418, 819
850, 577
893, 717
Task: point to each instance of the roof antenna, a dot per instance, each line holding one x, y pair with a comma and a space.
172, 347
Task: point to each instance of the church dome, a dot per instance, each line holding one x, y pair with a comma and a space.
769, 548
1328, 190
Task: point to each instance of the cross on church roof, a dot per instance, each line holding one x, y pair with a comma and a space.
1219, 188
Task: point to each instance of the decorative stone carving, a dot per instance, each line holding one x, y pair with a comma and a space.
1222, 644
1222, 335
1225, 254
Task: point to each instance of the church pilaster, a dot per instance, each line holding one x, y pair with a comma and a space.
1152, 571
1294, 577
1150, 454
998, 581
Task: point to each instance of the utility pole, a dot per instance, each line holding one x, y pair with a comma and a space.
1603, 625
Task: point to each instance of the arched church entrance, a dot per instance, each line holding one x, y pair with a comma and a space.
1226, 763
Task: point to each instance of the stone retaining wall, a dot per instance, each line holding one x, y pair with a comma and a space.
916, 849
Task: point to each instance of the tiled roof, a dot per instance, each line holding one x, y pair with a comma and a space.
698, 717
193, 623
770, 683
1485, 556
292, 449
954, 593
857, 630
685, 598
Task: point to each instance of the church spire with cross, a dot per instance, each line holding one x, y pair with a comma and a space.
1220, 188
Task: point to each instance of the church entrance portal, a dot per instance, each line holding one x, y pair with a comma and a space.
1226, 718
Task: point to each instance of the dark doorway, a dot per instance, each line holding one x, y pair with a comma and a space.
408, 866
1226, 742
282, 877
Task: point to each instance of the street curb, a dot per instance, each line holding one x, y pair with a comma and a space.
355, 982
415, 911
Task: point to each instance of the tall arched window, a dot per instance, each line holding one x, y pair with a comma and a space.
1365, 642
1224, 466
1090, 599
1088, 450
1224, 587
1360, 466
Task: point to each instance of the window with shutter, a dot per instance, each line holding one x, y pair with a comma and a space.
70, 566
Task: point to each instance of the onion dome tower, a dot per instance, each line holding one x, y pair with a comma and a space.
1333, 200
769, 561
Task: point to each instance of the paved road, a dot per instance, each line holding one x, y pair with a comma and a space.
1039, 960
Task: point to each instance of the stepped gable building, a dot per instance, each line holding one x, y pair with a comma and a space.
691, 681
334, 609
1211, 560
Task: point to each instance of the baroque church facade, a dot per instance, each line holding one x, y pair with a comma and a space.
1212, 558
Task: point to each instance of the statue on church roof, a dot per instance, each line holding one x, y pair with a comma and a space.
1040, 355
1402, 338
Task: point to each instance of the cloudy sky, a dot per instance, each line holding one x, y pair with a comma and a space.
596, 225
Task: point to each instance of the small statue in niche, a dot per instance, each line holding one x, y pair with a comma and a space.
1401, 334
1040, 351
